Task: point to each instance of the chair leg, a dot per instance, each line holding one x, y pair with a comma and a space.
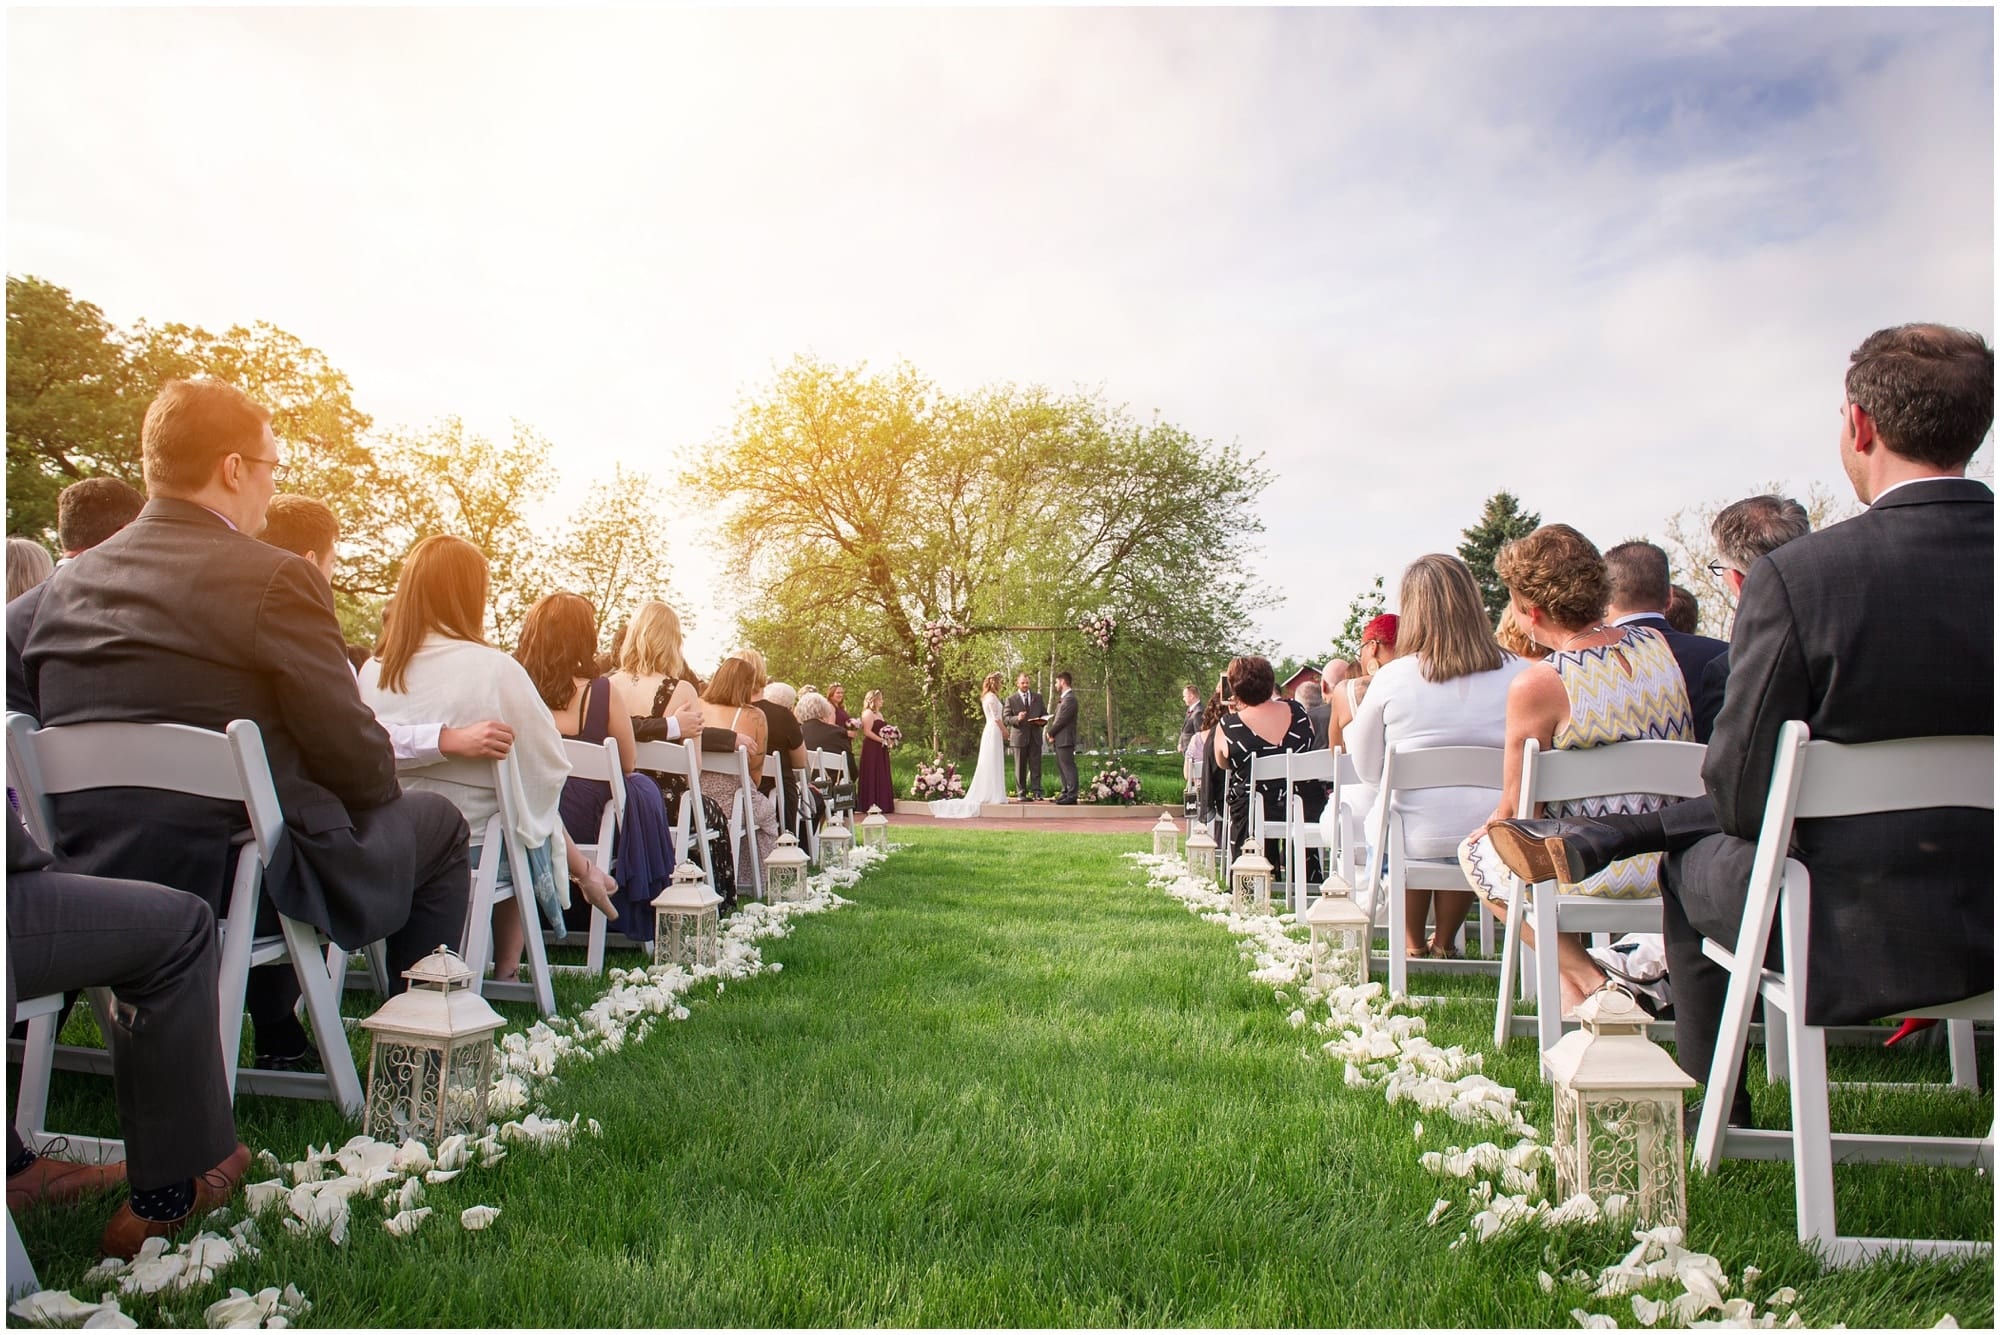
1510, 960
1548, 968
1732, 1037
38, 1058
1485, 936
323, 1006
1399, 966
1777, 1059
1812, 1132
21, 1279
593, 956
1964, 1055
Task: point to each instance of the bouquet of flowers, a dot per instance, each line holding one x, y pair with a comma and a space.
943, 629
938, 778
1099, 628
892, 736
1114, 783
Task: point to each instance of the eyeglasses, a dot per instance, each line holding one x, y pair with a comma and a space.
1718, 569
279, 469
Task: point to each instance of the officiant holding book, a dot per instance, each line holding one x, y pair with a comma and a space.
1026, 716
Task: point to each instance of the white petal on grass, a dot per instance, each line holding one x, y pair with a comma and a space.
476, 1217
1592, 1320
53, 1307
406, 1222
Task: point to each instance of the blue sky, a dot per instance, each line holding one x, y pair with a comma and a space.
1612, 260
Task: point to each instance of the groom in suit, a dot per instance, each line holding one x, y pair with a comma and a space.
1024, 734
1062, 737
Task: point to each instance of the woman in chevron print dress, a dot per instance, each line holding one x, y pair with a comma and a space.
1600, 684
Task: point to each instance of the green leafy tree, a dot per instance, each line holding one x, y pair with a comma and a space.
1500, 523
73, 404
613, 549
1370, 603
860, 507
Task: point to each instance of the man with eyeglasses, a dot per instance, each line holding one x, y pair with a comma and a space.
1753, 527
184, 617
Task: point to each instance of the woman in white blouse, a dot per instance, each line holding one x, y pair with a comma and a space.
1447, 686
435, 665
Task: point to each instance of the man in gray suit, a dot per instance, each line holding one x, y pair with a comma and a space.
1062, 737
1026, 716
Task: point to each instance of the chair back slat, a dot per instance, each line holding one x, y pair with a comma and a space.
1908, 774
1646, 765
1269, 769
1307, 766
599, 761
169, 757
1443, 767
669, 758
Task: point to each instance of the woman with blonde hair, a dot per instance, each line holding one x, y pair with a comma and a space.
435, 666
876, 787
1447, 686
1599, 685
28, 564
653, 675
730, 702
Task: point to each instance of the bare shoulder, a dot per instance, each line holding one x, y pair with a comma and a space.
1537, 684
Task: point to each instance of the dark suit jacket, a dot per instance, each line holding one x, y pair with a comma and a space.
177, 618
1321, 718
1692, 652
1018, 737
1062, 723
1706, 698
20, 616
1875, 628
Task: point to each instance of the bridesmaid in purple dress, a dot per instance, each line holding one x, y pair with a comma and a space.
876, 787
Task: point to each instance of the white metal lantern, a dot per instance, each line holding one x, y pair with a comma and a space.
686, 927
1338, 934
431, 1063
785, 871
875, 829
835, 839
1202, 853
1250, 881
1166, 837
1619, 1129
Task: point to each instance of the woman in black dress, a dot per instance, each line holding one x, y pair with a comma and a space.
1263, 724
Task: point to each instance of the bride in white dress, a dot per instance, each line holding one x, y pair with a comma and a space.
989, 772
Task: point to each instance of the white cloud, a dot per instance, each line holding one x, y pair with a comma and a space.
1611, 260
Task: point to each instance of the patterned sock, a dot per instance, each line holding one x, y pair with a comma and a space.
21, 1162
163, 1205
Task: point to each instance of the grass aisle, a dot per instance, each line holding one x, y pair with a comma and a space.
1010, 1085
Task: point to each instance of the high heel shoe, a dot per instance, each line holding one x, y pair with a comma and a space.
597, 888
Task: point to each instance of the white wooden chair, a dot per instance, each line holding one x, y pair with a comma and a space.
832, 765
1302, 835
682, 760
774, 770
1343, 857
600, 762
1643, 766
742, 816
1266, 771
228, 767
1410, 770
1815, 780
499, 840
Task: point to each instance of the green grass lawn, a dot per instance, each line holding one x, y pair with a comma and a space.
1013, 1085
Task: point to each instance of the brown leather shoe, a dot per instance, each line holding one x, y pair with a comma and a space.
127, 1232
53, 1179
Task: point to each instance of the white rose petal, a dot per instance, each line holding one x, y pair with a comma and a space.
406, 1222
476, 1217
53, 1307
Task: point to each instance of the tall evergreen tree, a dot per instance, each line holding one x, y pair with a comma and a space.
1500, 523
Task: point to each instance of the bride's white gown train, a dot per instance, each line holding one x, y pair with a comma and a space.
989, 772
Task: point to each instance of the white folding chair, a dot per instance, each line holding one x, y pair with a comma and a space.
1267, 771
1811, 781
682, 760
38, 1057
742, 815
599, 762
228, 767
774, 770
1302, 835
1672, 769
1409, 770
499, 840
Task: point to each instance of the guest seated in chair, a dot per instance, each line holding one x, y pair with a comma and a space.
559, 649
1600, 684
1264, 724
728, 704
182, 1158
183, 617
1446, 687
436, 665
1827, 630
